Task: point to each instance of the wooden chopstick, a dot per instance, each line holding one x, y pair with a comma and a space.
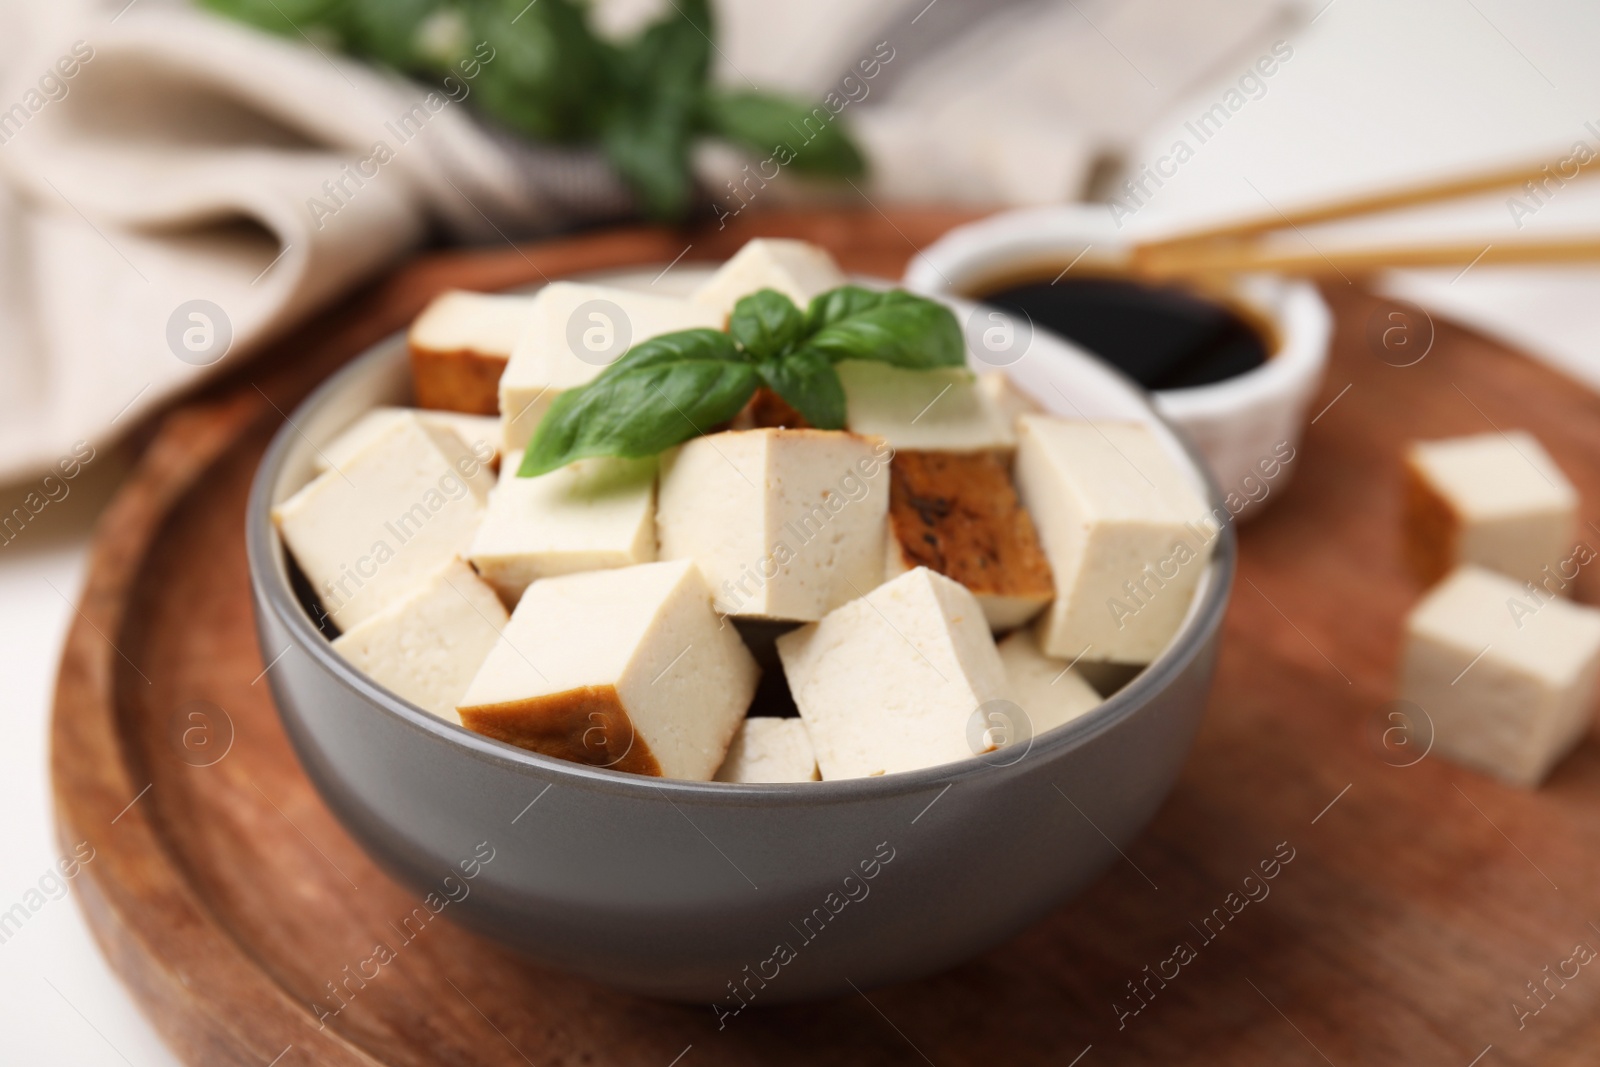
1198, 261
1276, 241
1369, 203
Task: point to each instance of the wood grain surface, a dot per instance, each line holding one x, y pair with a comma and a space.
1418, 903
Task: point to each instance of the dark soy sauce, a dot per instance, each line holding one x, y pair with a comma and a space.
1161, 336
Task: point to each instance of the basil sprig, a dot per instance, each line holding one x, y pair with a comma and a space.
668, 389
543, 70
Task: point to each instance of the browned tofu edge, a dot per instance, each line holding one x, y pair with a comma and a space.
768, 410
1432, 530
584, 725
458, 380
957, 513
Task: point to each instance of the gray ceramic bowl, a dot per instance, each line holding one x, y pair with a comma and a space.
688, 890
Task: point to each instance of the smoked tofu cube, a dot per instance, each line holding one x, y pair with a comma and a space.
572, 334
958, 514
769, 749
369, 531
1049, 691
767, 409
892, 681
798, 270
1495, 500
590, 515
1127, 536
1506, 675
784, 524
941, 409
629, 669
459, 348
427, 646
480, 432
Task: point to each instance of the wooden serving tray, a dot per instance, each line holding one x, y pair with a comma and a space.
1418, 902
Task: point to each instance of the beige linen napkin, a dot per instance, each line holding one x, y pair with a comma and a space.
177, 189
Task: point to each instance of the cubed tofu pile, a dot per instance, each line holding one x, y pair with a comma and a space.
600, 613
1503, 667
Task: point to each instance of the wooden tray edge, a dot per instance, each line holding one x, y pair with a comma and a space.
97, 794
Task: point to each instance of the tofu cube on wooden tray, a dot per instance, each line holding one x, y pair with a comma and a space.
584, 612
1499, 665
1506, 691
1492, 499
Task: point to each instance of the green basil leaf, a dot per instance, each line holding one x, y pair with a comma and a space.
674, 53
638, 414
659, 394
845, 302
551, 77
809, 139
809, 383
648, 132
894, 327
766, 323
651, 154
685, 346
386, 30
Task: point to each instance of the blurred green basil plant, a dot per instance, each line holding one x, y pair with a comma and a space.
642, 102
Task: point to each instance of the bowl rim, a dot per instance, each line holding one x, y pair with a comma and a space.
269, 580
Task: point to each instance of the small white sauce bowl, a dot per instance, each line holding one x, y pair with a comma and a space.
1240, 425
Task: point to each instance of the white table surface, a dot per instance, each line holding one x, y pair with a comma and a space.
62, 1003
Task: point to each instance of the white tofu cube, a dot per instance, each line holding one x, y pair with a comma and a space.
796, 269
368, 532
461, 321
459, 348
768, 749
1495, 500
572, 334
480, 432
1127, 536
427, 646
892, 681
785, 524
1049, 691
629, 669
934, 410
590, 515
1009, 400
1507, 678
